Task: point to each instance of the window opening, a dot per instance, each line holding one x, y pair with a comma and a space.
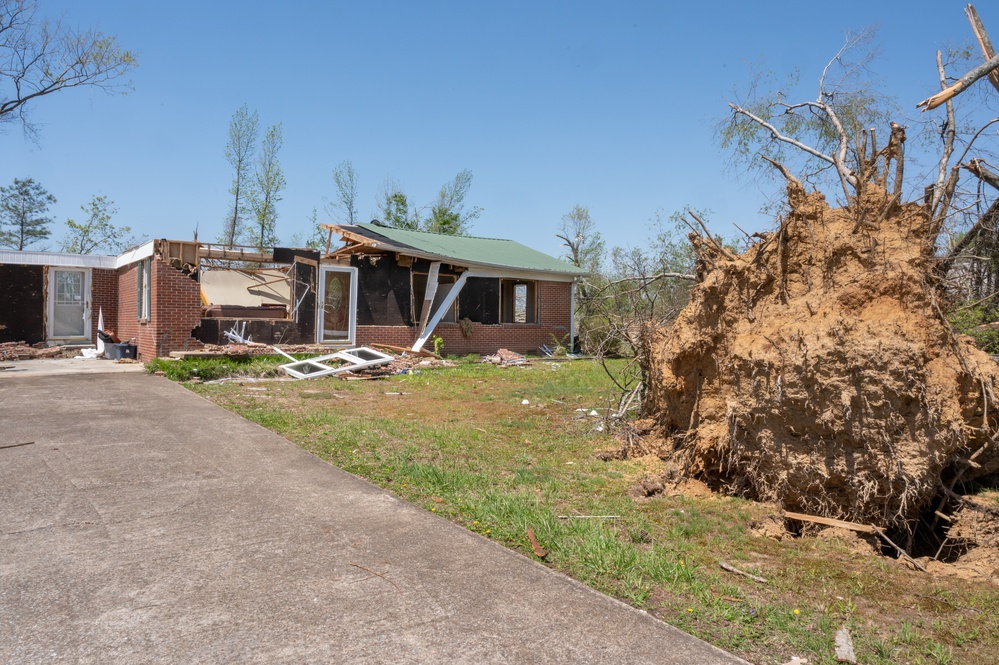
518, 302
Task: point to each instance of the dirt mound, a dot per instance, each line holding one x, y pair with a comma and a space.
816, 371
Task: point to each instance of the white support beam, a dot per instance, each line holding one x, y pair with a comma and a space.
428, 296
442, 310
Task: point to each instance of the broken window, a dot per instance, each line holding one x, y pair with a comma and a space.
347, 360
518, 301
444, 285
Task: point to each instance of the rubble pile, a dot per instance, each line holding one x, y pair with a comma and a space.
24, 351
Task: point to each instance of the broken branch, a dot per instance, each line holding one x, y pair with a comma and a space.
707, 234
732, 569
986, 175
902, 553
983, 41
962, 84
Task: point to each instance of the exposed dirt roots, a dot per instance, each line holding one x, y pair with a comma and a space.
816, 370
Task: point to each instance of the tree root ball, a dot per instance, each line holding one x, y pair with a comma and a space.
816, 369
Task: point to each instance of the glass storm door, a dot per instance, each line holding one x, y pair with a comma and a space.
69, 304
337, 295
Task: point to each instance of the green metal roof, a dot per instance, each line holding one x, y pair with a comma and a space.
472, 250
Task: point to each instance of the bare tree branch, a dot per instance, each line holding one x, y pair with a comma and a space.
950, 132
988, 218
986, 175
38, 58
983, 41
962, 84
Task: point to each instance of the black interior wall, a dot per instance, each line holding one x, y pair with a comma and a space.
306, 288
22, 303
479, 300
383, 291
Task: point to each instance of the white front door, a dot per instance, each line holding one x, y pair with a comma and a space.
69, 304
337, 308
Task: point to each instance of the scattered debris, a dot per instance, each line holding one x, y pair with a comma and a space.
539, 551
505, 357
844, 646
732, 569
237, 337
25, 351
349, 360
589, 517
828, 521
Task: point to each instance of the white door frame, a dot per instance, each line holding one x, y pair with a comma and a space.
351, 307
87, 302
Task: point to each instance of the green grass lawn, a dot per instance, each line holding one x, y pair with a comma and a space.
460, 442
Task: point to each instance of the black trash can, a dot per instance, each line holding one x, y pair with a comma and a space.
120, 351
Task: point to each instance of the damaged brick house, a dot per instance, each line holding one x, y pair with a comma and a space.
383, 286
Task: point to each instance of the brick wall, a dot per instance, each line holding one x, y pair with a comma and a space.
104, 289
175, 310
555, 315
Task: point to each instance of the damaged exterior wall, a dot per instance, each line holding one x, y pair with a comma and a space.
555, 312
23, 301
298, 328
175, 310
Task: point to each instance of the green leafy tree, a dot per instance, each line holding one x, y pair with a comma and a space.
317, 235
239, 150
816, 139
268, 183
23, 220
447, 214
97, 232
40, 57
343, 208
393, 208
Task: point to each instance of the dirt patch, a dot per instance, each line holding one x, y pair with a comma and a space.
851, 540
770, 526
816, 371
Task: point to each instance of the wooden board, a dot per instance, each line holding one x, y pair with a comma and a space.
828, 521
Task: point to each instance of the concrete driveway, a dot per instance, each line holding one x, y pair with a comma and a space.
142, 524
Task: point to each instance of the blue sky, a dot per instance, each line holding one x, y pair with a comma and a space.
610, 105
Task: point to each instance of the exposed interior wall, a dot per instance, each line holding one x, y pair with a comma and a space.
555, 315
299, 324
22, 303
384, 291
251, 288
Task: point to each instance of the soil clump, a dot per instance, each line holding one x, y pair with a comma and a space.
816, 369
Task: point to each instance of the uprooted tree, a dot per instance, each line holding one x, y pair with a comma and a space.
817, 369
